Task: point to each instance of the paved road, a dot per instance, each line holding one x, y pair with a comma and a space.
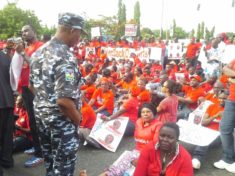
94, 161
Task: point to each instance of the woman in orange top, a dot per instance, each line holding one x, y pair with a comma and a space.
147, 127
103, 99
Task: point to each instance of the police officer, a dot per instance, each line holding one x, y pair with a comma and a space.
55, 80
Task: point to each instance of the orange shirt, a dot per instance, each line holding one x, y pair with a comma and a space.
211, 111
144, 96
89, 90
125, 85
105, 99
146, 133
88, 116
192, 50
194, 94
212, 97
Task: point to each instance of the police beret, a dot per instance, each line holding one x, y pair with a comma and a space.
71, 20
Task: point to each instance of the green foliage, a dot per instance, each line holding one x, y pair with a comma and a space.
12, 19
137, 16
198, 31
121, 20
202, 30
147, 33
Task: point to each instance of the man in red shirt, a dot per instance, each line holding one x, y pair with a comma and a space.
29, 36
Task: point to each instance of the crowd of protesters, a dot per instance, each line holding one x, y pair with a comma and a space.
145, 91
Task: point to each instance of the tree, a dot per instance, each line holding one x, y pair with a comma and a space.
12, 19
137, 16
174, 29
192, 33
202, 29
180, 33
198, 31
121, 20
212, 31
207, 34
146, 33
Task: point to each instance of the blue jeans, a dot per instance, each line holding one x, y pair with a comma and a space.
227, 126
200, 151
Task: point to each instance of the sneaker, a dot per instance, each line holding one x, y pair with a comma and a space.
221, 164
196, 163
33, 161
30, 151
231, 168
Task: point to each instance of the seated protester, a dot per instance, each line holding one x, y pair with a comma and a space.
168, 107
128, 109
156, 89
170, 71
89, 88
210, 120
126, 83
147, 126
147, 72
22, 139
208, 84
166, 157
144, 95
213, 95
114, 74
191, 97
86, 69
102, 99
147, 130
88, 121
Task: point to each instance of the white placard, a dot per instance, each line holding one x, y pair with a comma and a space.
155, 53
229, 54
88, 49
175, 51
196, 134
197, 115
130, 30
15, 70
95, 32
109, 133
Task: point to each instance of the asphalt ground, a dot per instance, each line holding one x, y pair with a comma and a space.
96, 160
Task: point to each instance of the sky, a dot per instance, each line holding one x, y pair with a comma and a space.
154, 13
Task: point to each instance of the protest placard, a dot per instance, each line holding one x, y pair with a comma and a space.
155, 53
109, 133
90, 49
175, 51
196, 134
180, 77
95, 32
130, 30
229, 54
197, 115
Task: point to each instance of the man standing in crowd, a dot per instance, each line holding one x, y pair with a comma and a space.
32, 44
192, 52
55, 79
6, 114
227, 124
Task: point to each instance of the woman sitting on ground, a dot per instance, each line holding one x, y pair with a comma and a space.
165, 158
167, 109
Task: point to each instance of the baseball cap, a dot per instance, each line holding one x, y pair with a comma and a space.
72, 20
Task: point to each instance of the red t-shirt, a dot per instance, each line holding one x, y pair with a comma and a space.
169, 107
192, 50
149, 163
131, 106
24, 77
145, 134
22, 121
